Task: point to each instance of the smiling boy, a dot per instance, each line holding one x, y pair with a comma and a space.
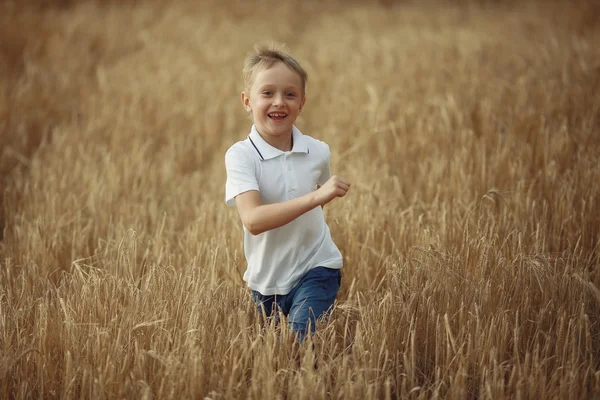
272, 179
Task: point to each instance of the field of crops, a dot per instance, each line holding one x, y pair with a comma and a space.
470, 131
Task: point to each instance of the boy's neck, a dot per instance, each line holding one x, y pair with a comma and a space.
285, 143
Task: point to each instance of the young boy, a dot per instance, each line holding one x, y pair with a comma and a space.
279, 180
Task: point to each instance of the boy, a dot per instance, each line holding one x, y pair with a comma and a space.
293, 263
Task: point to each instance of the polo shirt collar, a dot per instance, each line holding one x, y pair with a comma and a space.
266, 151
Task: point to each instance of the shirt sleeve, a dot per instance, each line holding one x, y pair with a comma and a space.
326, 166
241, 175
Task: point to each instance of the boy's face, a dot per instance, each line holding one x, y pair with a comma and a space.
275, 100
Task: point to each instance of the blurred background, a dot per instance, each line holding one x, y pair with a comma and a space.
469, 129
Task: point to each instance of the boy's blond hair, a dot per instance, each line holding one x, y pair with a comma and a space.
264, 57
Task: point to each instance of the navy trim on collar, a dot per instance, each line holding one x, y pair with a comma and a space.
267, 152
258, 151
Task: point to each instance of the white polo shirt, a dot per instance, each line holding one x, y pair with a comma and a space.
279, 258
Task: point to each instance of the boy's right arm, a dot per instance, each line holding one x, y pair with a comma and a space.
259, 218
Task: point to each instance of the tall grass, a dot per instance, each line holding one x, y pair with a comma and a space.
470, 132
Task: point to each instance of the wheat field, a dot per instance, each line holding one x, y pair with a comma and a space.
470, 131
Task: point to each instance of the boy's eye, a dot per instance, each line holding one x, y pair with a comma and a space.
291, 94
267, 93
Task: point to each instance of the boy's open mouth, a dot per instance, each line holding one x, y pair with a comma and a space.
277, 116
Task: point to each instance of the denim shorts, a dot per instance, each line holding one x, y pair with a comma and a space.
311, 299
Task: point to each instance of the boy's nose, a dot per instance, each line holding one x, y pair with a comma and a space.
277, 100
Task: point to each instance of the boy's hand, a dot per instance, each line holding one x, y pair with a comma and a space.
336, 186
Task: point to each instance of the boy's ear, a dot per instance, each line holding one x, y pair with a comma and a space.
302, 104
246, 102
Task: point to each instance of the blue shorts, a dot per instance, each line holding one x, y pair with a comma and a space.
312, 298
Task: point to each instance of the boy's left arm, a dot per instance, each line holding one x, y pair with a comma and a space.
317, 188
325, 170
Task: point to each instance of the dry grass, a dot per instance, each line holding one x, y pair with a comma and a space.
470, 132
